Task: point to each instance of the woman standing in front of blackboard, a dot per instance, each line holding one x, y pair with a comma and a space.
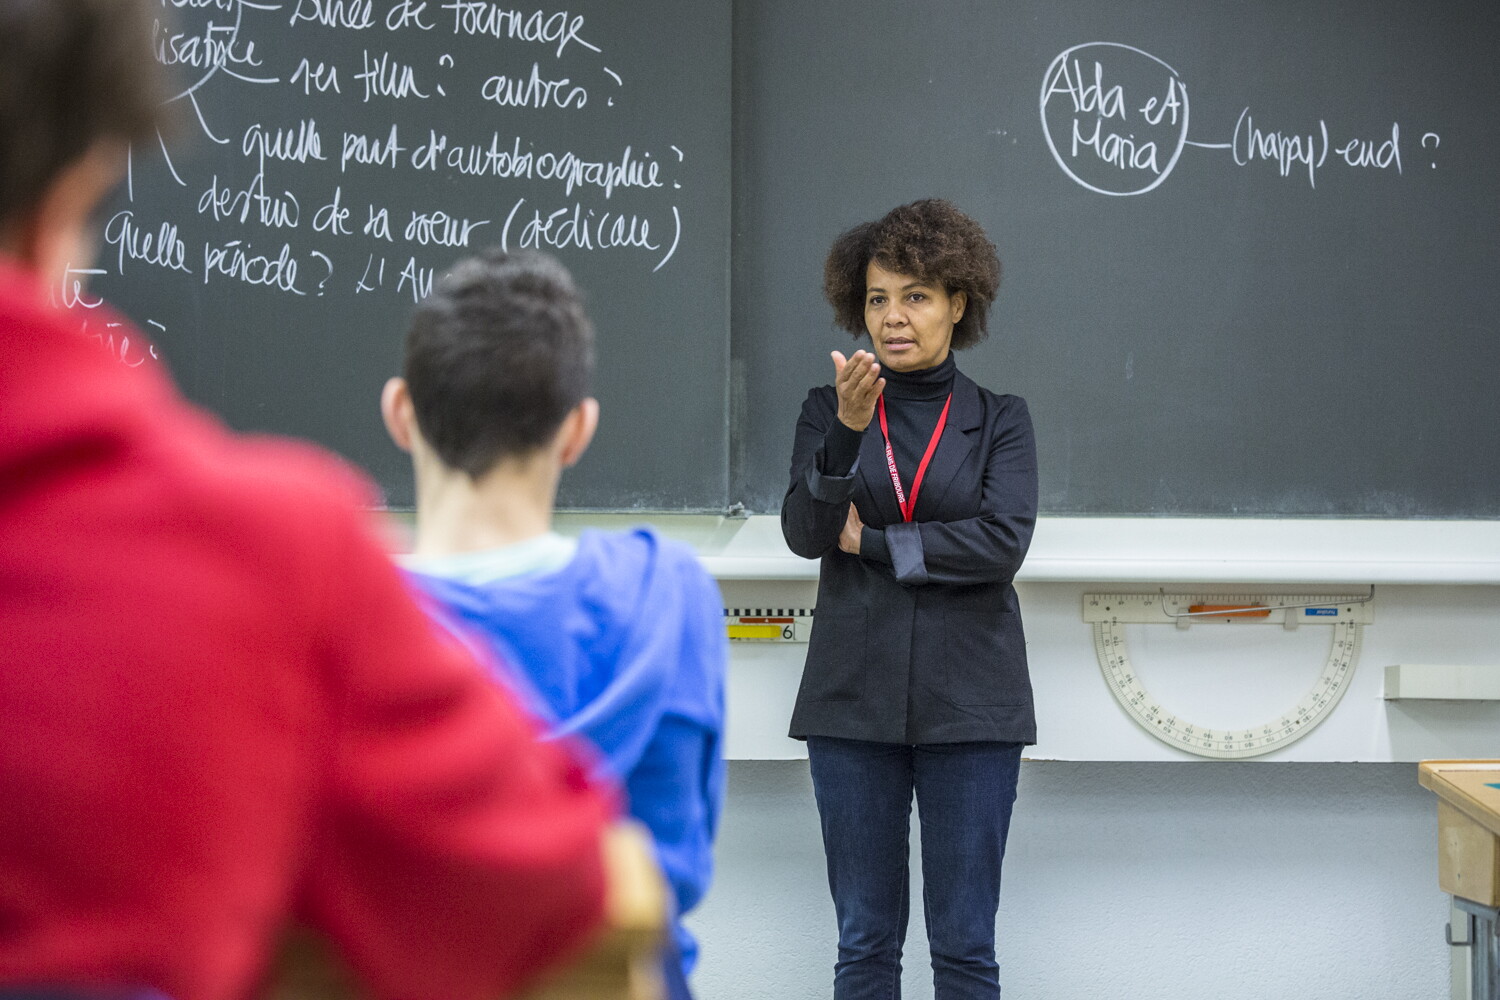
916, 488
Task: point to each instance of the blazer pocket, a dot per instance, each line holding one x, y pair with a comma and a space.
986, 658
836, 669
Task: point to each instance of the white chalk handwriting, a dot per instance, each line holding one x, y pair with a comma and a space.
1116, 119
401, 134
478, 17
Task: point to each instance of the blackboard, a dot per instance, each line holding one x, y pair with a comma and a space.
1202, 323
340, 154
1250, 249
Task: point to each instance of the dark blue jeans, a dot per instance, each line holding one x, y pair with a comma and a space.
964, 794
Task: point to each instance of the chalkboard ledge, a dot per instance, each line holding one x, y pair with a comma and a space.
1145, 550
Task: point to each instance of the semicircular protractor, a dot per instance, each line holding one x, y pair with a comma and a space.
1110, 613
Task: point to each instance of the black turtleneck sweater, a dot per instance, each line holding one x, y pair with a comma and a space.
913, 402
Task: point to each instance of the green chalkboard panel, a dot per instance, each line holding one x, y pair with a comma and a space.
340, 154
1250, 250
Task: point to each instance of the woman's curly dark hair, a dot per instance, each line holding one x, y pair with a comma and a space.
929, 239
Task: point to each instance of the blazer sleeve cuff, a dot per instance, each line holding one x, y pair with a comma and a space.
840, 449
831, 489
872, 547
904, 541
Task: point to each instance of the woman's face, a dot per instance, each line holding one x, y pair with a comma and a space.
910, 320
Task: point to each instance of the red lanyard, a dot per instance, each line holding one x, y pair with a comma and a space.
908, 507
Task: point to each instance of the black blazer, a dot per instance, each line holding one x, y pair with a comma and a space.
928, 647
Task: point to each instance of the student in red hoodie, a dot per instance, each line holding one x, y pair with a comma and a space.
222, 715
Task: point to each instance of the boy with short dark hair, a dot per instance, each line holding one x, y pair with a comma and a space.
616, 637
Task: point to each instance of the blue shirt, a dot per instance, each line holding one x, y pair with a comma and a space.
618, 639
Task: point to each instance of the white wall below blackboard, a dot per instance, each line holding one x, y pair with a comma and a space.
1133, 881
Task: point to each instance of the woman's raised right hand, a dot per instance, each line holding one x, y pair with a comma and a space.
858, 383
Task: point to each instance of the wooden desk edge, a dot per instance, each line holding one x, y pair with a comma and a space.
1431, 775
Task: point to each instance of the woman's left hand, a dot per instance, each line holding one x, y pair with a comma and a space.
849, 537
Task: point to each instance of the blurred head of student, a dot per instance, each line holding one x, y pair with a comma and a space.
78, 85
499, 364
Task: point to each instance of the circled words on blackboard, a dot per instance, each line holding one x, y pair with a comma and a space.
1116, 119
